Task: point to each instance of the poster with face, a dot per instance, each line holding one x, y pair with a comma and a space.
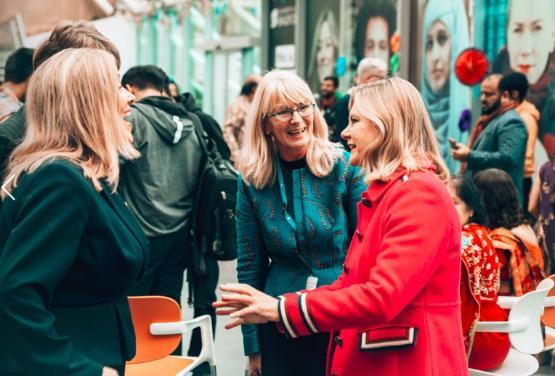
322, 30
530, 36
444, 35
376, 23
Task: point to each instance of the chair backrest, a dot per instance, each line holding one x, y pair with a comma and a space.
548, 318
146, 310
529, 308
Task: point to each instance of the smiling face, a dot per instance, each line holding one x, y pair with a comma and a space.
363, 136
292, 136
438, 55
377, 44
325, 52
530, 36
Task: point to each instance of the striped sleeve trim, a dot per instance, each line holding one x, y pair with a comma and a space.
306, 314
283, 318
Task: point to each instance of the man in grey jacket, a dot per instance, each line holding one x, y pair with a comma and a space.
159, 187
499, 138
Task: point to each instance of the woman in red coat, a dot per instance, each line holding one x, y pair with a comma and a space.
395, 309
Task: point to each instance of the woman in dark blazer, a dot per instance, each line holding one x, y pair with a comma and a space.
69, 248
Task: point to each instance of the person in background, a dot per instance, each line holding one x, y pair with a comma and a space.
209, 124
160, 186
445, 36
296, 213
236, 114
498, 139
173, 89
395, 310
518, 250
327, 100
17, 72
542, 207
513, 88
479, 278
78, 34
69, 248
369, 69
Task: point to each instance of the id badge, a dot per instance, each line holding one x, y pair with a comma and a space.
311, 282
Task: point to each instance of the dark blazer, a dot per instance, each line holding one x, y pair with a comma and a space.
67, 256
502, 144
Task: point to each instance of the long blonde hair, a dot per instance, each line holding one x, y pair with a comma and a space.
72, 114
257, 162
408, 138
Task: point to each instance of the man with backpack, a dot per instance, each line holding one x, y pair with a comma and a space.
160, 187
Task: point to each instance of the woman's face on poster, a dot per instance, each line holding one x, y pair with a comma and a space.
376, 40
530, 36
325, 55
438, 55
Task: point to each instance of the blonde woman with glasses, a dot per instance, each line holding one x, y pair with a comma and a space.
395, 310
69, 248
296, 213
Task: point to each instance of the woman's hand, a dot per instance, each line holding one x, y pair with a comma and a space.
107, 371
246, 305
255, 365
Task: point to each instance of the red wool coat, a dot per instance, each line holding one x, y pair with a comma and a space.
395, 310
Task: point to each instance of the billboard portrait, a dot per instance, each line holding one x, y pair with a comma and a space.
322, 30
444, 36
529, 49
376, 22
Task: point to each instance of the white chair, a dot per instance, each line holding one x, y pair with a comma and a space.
158, 331
524, 329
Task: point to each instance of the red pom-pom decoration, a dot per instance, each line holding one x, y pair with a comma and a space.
471, 66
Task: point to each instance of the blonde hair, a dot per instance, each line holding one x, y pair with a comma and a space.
257, 162
408, 138
72, 114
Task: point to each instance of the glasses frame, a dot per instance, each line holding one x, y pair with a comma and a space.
291, 111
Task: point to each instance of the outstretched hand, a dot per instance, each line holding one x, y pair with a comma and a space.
246, 305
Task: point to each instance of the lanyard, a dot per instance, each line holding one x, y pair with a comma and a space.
283, 195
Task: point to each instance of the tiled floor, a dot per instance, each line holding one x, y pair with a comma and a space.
229, 349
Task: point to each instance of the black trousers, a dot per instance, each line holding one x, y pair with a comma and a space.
164, 267
303, 356
204, 294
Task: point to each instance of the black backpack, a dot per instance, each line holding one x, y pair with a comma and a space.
213, 227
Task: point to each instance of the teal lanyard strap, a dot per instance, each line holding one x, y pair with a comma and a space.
283, 195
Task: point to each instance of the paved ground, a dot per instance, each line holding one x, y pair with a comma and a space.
229, 348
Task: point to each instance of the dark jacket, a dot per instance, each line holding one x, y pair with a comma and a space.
502, 144
160, 186
210, 125
67, 256
12, 132
341, 110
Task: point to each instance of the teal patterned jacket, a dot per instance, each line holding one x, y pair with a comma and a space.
276, 259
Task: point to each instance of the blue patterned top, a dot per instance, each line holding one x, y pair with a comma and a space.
275, 258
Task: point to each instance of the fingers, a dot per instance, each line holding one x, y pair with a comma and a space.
234, 323
227, 304
225, 312
239, 288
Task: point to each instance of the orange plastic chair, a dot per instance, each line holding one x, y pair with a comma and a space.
158, 330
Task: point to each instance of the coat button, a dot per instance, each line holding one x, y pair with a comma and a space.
338, 341
366, 202
345, 269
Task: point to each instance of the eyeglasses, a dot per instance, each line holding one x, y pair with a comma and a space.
305, 110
